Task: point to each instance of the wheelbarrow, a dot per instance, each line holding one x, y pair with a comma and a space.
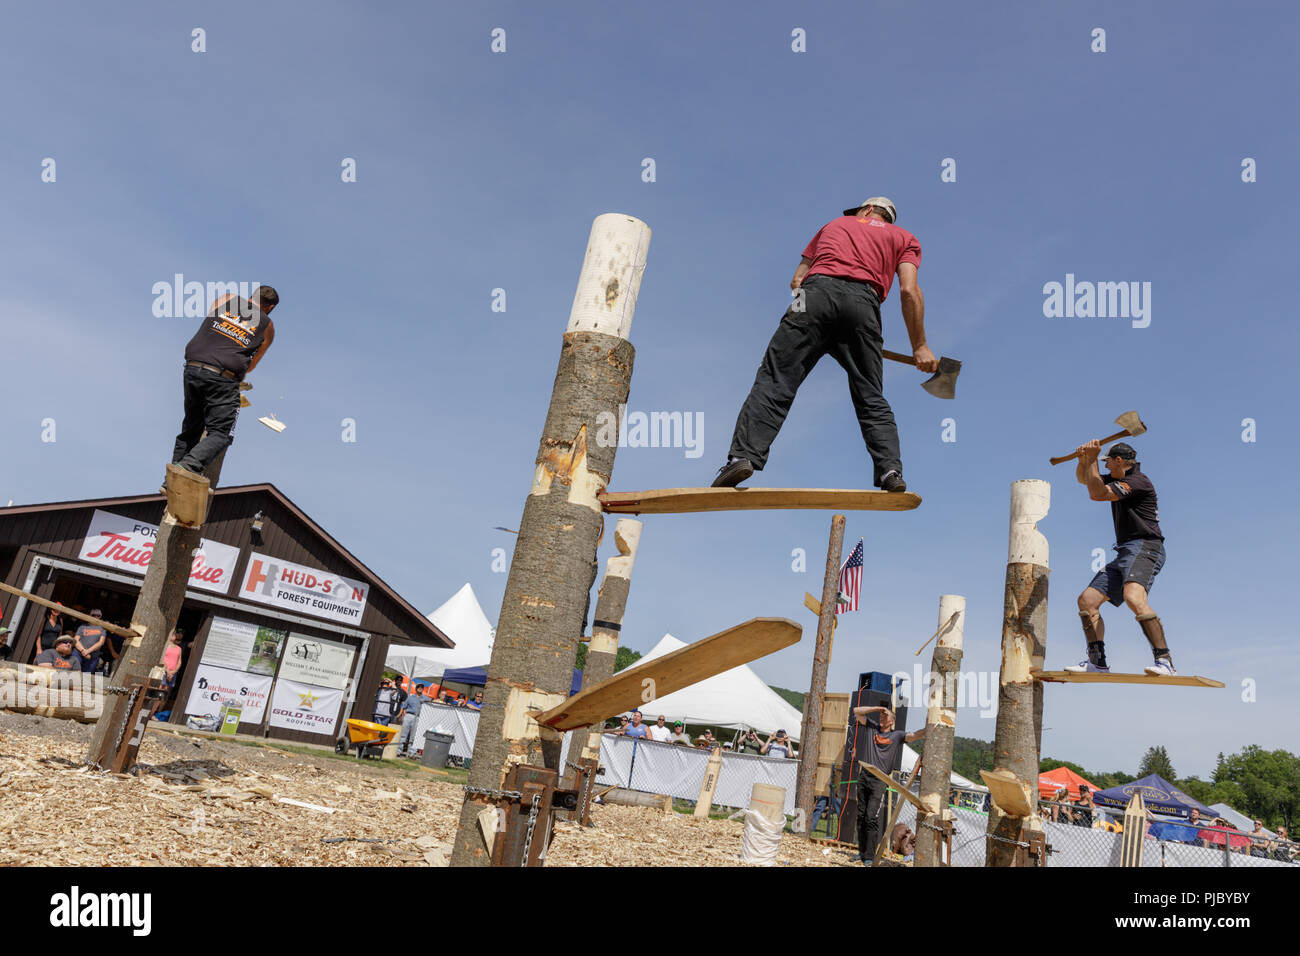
367, 737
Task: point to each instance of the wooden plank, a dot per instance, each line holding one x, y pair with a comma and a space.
69, 612
1069, 677
1006, 792
887, 838
894, 785
1135, 827
683, 667
691, 500
704, 802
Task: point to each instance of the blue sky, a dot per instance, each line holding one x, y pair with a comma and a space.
478, 171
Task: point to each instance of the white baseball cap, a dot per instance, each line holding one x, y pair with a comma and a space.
881, 202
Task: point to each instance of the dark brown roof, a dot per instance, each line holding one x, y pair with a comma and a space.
439, 638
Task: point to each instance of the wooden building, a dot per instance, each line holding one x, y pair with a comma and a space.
286, 632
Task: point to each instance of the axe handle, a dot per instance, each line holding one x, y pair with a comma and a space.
1123, 434
898, 357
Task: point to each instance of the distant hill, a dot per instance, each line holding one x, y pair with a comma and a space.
792, 697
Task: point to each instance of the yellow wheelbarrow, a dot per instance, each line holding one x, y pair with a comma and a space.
367, 737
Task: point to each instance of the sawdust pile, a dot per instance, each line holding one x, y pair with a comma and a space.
206, 802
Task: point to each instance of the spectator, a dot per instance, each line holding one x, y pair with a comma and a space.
476, 703
636, 729
410, 715
172, 655
706, 740
1284, 850
620, 729
778, 745
749, 743
89, 641
1083, 808
387, 703
679, 735
1261, 844
1194, 821
660, 730
60, 656
50, 631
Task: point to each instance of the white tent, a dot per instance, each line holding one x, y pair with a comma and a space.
735, 698
957, 780
461, 619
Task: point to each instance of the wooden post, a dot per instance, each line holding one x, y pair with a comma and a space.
1018, 737
156, 610
554, 565
940, 728
704, 802
811, 732
611, 602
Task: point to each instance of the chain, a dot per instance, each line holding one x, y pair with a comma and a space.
930, 826
993, 836
126, 719
123, 691
492, 794
532, 824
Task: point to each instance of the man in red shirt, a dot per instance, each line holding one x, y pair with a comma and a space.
845, 273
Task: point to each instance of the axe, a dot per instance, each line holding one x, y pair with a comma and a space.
1131, 424
943, 383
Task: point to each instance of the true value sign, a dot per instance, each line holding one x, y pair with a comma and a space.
292, 586
127, 544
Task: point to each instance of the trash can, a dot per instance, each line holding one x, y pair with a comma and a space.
437, 748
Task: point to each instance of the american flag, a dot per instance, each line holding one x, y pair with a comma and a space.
850, 585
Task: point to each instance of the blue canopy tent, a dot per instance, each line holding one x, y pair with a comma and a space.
477, 677
1159, 795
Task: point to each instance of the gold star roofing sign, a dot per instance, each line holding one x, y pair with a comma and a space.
306, 700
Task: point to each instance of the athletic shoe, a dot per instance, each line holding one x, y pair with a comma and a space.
1163, 667
893, 482
733, 473
1086, 667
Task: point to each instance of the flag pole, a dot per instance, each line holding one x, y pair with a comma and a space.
810, 735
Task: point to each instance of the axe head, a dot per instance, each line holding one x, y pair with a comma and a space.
943, 383
1130, 422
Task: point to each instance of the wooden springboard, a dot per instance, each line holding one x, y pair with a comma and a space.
894, 785
1005, 791
692, 500
1069, 677
687, 665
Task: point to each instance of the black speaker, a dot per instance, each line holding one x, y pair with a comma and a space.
855, 743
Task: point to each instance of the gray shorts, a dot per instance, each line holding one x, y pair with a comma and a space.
1139, 561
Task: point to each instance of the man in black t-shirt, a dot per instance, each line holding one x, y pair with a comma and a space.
883, 743
1140, 554
230, 342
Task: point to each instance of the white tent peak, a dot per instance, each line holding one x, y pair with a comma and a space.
735, 698
462, 619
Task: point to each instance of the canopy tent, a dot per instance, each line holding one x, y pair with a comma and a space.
1054, 780
1158, 794
461, 619
735, 699
477, 677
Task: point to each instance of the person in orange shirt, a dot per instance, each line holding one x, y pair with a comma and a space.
60, 656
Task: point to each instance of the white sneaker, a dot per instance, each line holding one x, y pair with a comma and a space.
1086, 667
1163, 667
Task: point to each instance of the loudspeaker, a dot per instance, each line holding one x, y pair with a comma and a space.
855, 742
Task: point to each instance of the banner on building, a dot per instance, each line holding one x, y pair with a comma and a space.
307, 590
215, 687
243, 647
127, 545
305, 707
314, 660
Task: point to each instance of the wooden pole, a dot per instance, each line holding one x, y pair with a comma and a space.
811, 732
940, 728
1018, 737
611, 602
554, 566
156, 610
67, 611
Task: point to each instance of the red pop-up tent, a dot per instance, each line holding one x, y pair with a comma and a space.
1054, 780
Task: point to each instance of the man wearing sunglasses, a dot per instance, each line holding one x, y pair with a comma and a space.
1140, 554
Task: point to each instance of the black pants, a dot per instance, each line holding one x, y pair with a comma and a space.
211, 406
871, 794
841, 318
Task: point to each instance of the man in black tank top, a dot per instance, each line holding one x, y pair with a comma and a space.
232, 339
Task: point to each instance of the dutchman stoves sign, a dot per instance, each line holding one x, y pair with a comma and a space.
309, 590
